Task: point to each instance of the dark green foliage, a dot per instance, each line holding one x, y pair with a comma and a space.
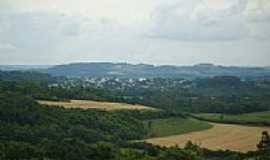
148, 114
23, 114
257, 118
25, 125
40, 90
223, 94
264, 147
30, 131
25, 75
174, 126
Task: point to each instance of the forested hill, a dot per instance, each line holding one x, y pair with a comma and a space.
26, 75
145, 70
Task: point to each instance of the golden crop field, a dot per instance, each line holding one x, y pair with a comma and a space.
86, 104
221, 136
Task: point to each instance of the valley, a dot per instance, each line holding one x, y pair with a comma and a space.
135, 80
139, 118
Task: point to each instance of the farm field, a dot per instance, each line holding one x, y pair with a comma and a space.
86, 104
221, 136
173, 126
261, 118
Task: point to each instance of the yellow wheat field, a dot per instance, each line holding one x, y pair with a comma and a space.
85, 104
221, 136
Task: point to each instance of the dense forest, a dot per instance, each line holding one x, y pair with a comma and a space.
26, 75
224, 94
30, 131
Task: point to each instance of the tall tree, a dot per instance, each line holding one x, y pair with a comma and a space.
264, 147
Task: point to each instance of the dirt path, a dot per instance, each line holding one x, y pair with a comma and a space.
221, 136
85, 104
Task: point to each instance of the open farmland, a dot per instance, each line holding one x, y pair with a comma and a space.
221, 136
86, 104
173, 126
258, 118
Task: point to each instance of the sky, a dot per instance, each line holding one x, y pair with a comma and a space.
175, 32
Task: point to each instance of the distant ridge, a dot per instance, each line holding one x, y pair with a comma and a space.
145, 70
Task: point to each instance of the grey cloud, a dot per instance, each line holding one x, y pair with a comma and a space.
52, 37
261, 13
38, 36
28, 30
194, 21
258, 20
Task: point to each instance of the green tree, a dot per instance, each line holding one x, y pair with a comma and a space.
264, 147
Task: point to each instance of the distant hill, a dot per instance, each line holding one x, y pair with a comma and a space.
145, 70
23, 67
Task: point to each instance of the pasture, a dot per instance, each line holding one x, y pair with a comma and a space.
173, 126
258, 118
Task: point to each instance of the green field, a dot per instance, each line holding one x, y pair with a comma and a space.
259, 118
173, 126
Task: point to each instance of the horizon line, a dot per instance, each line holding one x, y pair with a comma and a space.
130, 63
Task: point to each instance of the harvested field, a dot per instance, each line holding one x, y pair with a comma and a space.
85, 104
221, 136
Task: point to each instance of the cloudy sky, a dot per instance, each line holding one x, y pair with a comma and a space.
180, 32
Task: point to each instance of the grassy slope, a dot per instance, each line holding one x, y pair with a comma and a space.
260, 118
173, 126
